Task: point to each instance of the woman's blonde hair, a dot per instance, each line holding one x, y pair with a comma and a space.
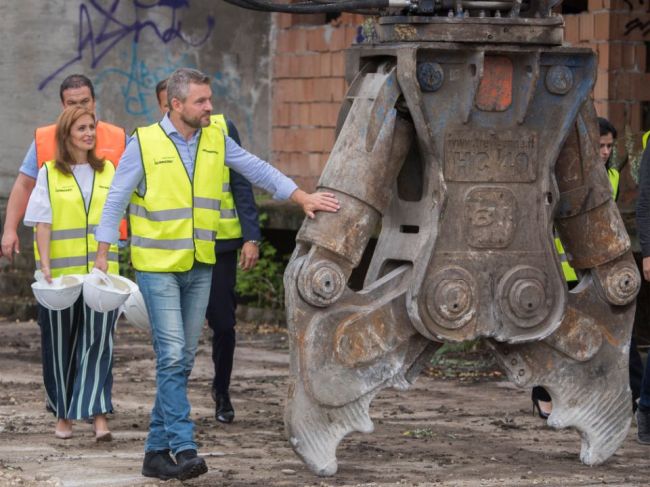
64, 125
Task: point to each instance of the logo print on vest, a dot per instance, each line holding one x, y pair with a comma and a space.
166, 160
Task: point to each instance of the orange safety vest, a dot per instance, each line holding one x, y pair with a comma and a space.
111, 141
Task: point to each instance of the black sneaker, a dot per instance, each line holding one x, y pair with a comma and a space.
223, 411
643, 426
190, 464
159, 464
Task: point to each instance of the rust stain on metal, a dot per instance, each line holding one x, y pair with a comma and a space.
405, 32
495, 89
456, 166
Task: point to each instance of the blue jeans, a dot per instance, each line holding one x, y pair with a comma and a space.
176, 304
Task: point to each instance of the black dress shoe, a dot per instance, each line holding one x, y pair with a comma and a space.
160, 465
190, 464
223, 411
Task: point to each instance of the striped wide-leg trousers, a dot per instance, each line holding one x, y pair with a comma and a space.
77, 355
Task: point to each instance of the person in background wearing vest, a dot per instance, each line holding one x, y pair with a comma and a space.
643, 228
238, 228
540, 396
75, 90
70, 191
171, 173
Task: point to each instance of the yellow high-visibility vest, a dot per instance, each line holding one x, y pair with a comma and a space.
644, 139
229, 226
176, 221
72, 243
568, 271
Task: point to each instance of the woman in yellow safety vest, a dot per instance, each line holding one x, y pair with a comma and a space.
65, 207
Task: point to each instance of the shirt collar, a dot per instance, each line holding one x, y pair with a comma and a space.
168, 127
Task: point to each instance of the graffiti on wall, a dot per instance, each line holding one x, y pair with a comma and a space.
639, 24
102, 29
120, 27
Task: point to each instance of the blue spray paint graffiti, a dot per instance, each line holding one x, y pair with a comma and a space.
101, 30
139, 80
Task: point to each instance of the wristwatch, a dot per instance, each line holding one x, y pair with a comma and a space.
254, 242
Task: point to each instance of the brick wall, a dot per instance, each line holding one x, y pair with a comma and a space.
308, 76
617, 30
308, 86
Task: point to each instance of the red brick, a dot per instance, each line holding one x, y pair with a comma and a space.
601, 89
595, 5
294, 114
310, 19
337, 39
641, 59
316, 40
303, 119
616, 114
280, 89
644, 87
622, 87
615, 55
282, 21
586, 27
326, 139
294, 66
297, 40
603, 57
628, 56
350, 35
602, 22
321, 89
602, 108
280, 115
282, 41
307, 183
623, 29
277, 138
572, 29
634, 116
337, 89
281, 64
325, 64
316, 114
324, 157
338, 64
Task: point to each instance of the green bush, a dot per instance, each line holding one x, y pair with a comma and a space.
262, 286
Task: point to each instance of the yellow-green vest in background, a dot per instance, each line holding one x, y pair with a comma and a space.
176, 221
72, 242
229, 226
568, 271
644, 139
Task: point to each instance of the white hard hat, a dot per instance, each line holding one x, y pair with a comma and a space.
135, 311
61, 294
105, 292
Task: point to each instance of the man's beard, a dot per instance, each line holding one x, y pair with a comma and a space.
195, 122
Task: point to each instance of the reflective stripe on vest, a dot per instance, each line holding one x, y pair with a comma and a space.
229, 226
72, 241
176, 221
568, 271
110, 142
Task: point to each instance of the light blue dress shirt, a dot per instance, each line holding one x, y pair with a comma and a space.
29, 167
130, 176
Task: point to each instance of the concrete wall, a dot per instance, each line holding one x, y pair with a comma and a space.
125, 47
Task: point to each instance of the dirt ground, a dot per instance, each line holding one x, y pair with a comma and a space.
455, 427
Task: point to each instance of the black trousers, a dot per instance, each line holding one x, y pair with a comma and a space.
221, 318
